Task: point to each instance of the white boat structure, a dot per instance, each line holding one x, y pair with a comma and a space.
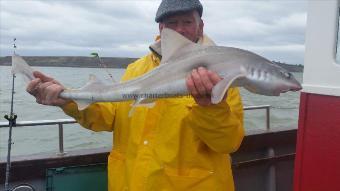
317, 160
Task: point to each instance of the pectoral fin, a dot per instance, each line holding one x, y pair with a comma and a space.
220, 89
149, 103
82, 104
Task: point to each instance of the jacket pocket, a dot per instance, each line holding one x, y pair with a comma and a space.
189, 179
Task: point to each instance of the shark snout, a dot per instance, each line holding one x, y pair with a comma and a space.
291, 87
296, 87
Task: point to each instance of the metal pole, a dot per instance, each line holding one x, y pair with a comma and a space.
271, 176
61, 140
268, 118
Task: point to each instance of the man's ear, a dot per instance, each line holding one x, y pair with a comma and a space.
200, 28
160, 27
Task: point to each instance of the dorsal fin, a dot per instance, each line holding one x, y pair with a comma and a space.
173, 43
93, 84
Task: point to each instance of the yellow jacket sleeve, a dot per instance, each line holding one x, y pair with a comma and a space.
101, 116
220, 126
96, 117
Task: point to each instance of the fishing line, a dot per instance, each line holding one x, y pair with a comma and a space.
102, 65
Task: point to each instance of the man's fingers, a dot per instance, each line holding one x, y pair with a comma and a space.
42, 92
42, 76
215, 78
52, 95
191, 86
43, 86
46, 90
32, 87
206, 81
198, 83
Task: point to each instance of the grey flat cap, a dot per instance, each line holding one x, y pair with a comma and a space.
169, 7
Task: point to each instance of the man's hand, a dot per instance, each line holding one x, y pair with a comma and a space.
200, 83
46, 90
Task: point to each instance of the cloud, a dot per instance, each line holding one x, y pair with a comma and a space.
271, 28
126, 28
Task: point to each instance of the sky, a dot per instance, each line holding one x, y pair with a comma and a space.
115, 28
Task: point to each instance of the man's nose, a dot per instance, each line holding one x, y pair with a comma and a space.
180, 28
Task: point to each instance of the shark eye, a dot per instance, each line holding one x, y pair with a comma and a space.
286, 74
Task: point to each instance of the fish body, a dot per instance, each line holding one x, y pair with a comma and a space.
180, 56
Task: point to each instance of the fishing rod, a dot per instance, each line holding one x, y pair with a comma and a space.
12, 123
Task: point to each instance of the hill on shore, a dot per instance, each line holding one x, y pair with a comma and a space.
290, 67
71, 61
90, 62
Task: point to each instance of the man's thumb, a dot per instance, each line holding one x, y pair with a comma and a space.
42, 76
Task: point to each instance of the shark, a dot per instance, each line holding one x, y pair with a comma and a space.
237, 68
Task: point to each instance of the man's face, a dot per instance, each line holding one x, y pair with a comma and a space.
185, 24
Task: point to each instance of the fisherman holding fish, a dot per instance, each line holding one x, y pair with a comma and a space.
179, 143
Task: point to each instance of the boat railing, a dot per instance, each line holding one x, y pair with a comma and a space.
265, 107
62, 122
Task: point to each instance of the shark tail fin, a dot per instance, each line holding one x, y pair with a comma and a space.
20, 66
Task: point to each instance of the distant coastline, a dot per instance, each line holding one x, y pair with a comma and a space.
290, 67
90, 62
71, 61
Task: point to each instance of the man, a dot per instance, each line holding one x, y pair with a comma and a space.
180, 143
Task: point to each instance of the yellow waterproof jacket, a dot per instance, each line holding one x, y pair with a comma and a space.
176, 145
